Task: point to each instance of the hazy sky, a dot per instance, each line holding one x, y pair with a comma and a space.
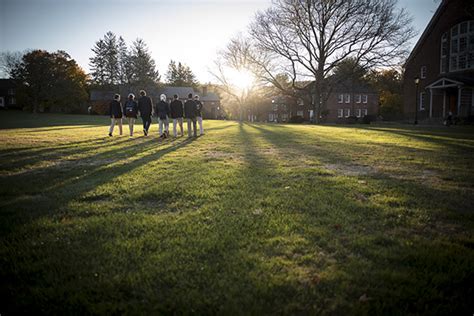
184, 30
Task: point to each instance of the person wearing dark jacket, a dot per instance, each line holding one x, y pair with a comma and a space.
163, 111
176, 112
190, 114
131, 110
145, 107
199, 114
115, 112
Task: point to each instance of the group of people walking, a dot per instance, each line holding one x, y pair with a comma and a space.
191, 110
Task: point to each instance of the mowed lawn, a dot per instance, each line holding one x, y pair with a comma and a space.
248, 219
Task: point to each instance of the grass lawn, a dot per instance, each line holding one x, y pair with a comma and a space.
248, 219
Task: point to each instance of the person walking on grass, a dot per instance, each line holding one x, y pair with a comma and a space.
190, 114
163, 111
115, 112
145, 107
176, 112
131, 111
199, 114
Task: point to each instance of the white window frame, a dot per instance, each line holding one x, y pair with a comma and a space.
364, 112
340, 98
443, 67
12, 101
422, 101
364, 98
358, 98
348, 112
358, 112
460, 60
340, 113
300, 113
347, 98
423, 72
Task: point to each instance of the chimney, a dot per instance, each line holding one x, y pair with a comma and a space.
204, 91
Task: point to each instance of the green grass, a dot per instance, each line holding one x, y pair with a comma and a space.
249, 219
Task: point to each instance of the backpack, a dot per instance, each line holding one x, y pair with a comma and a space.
130, 109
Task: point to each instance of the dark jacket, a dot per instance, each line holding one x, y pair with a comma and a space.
145, 106
130, 108
115, 109
198, 108
190, 109
176, 109
162, 110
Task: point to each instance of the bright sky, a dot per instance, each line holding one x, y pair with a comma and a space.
190, 31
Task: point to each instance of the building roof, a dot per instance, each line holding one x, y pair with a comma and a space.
348, 85
7, 83
183, 92
427, 30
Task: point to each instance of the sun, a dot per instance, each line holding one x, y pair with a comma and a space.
242, 79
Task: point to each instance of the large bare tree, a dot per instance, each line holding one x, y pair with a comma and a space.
307, 39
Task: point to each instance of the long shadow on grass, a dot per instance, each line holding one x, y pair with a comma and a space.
18, 119
459, 142
33, 196
378, 241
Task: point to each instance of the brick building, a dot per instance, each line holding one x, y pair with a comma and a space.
8, 94
443, 63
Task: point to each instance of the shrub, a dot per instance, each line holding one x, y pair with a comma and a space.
296, 119
367, 119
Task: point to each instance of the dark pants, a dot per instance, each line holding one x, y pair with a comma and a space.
193, 121
146, 122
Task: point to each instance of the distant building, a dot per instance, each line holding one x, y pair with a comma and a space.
8, 94
443, 60
348, 99
351, 99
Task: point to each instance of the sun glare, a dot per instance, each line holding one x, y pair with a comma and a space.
242, 79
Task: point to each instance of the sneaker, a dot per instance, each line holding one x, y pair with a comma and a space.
110, 134
145, 132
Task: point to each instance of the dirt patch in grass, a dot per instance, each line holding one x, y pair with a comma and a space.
350, 170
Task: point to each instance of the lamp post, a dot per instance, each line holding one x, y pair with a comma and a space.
417, 82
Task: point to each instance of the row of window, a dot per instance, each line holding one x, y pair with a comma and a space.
347, 112
346, 98
460, 48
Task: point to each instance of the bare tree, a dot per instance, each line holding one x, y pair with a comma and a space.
236, 58
9, 62
307, 39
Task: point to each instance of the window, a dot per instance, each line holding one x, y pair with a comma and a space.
348, 112
12, 101
358, 98
358, 112
422, 101
364, 112
340, 113
423, 72
462, 47
2, 102
340, 98
348, 98
299, 113
300, 102
11, 91
444, 53
270, 117
364, 98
